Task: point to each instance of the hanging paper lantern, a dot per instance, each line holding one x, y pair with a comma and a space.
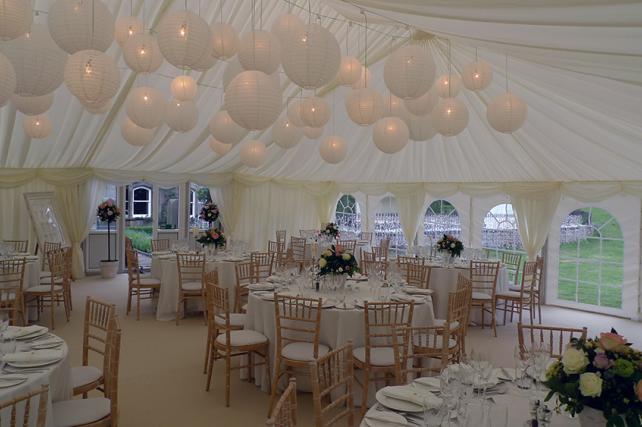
285, 133
390, 134
205, 63
33, 105
142, 53
350, 71
181, 116
314, 112
286, 27
312, 57
477, 76
15, 18
365, 80
365, 106
226, 130
507, 112
7, 80
225, 41
448, 86
38, 62
145, 107
97, 108
92, 76
450, 117
420, 127
260, 50
219, 148
409, 72
134, 134
184, 38
253, 100
333, 149
295, 112
184, 88
37, 127
313, 133
253, 154
424, 104
81, 25
126, 28
393, 107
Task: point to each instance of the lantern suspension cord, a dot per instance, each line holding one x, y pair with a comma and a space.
365, 54
333, 111
348, 35
309, 12
261, 15
221, 3
131, 7
93, 20
450, 70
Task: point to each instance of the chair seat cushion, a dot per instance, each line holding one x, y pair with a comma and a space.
83, 375
68, 413
481, 295
43, 288
243, 338
149, 281
236, 319
192, 286
510, 294
379, 356
303, 351
442, 323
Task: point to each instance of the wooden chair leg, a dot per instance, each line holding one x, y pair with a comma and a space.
364, 392
483, 320
178, 307
494, 314
210, 368
53, 314
129, 301
138, 304
275, 384
228, 369
505, 307
207, 351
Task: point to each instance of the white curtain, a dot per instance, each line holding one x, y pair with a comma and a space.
223, 196
410, 202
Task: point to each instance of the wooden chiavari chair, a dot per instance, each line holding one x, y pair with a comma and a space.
284, 413
12, 273
555, 337
378, 358
21, 408
245, 274
349, 246
417, 260
463, 282
142, 286
537, 288
332, 378
98, 320
367, 256
280, 236
129, 244
160, 245
278, 251
262, 263
520, 300
374, 267
59, 286
191, 268
297, 251
483, 275
366, 236
417, 275
18, 246
298, 325
512, 261
45, 272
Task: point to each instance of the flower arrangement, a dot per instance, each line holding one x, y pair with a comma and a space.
450, 244
108, 212
335, 260
330, 230
603, 373
209, 212
213, 236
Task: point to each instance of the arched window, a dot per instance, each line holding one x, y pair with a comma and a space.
142, 202
500, 232
441, 218
388, 226
348, 214
591, 259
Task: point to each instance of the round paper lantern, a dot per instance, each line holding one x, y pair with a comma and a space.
260, 50
424, 104
315, 112
393, 107
37, 127
184, 38
224, 129
477, 76
205, 63
333, 149
142, 53
286, 27
225, 41
145, 107
38, 62
390, 134
253, 100
184, 88
450, 116
507, 112
365, 80
97, 108
126, 28
295, 112
219, 148
312, 57
365, 106
134, 134
312, 133
7, 80
350, 71
181, 116
285, 133
81, 25
409, 72
420, 127
253, 154
92, 76
33, 105
448, 86
15, 18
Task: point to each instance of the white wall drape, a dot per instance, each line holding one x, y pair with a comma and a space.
410, 201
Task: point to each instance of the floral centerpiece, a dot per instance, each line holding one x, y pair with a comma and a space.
330, 230
450, 244
604, 374
336, 260
213, 236
209, 213
108, 212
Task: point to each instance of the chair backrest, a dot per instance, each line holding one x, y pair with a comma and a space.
298, 319
12, 272
348, 245
46, 248
21, 408
133, 272
112, 367
160, 245
98, 317
529, 280
278, 250
191, 268
384, 244
380, 321
20, 246
332, 377
512, 261
280, 236
555, 337
218, 306
367, 256
539, 273
284, 412
298, 246
374, 267
366, 235
459, 302
464, 282
128, 243
380, 253
262, 264
245, 273
483, 274
403, 260
417, 274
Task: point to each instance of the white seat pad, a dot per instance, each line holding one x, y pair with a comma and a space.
481, 295
149, 281
243, 338
379, 356
236, 319
44, 288
192, 286
76, 412
512, 294
442, 322
83, 375
303, 351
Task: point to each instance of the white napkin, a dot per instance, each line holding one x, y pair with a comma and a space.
430, 382
36, 356
260, 287
11, 378
387, 417
404, 393
408, 298
17, 332
48, 342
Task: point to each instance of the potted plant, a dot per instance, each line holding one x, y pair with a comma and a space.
451, 245
209, 212
108, 212
212, 237
335, 263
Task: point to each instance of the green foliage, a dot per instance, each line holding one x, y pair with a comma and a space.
141, 237
203, 195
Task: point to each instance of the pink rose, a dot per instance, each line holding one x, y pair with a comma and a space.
602, 361
638, 390
214, 236
610, 341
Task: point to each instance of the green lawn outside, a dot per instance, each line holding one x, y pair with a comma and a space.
141, 237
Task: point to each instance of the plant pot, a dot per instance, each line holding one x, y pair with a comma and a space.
108, 269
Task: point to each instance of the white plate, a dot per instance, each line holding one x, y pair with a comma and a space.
397, 404
32, 364
412, 290
380, 423
7, 381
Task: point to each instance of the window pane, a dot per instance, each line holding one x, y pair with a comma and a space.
140, 208
348, 215
441, 218
199, 195
141, 194
388, 226
111, 192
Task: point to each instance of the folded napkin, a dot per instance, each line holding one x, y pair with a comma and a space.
405, 393
387, 417
18, 332
260, 287
7, 379
430, 382
36, 356
47, 342
408, 298
419, 291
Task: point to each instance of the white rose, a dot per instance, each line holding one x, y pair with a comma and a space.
346, 256
590, 384
340, 269
323, 262
452, 245
574, 361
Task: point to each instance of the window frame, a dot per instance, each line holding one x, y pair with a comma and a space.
147, 201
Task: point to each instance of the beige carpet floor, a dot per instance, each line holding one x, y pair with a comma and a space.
161, 381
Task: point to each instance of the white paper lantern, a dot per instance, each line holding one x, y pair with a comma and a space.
92, 76
365, 106
97, 108
142, 53
420, 127
409, 71
184, 38
390, 134
126, 28
205, 63
448, 86
253, 154
312, 57
295, 112
260, 50
286, 27
315, 112
184, 88
365, 80
450, 116
33, 105
477, 75
218, 147
145, 107
226, 130
253, 100
424, 104
507, 112
81, 25
313, 133
225, 41
393, 107
37, 127
333, 149
38, 62
134, 134
350, 71
285, 133
7, 80
15, 18
181, 116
